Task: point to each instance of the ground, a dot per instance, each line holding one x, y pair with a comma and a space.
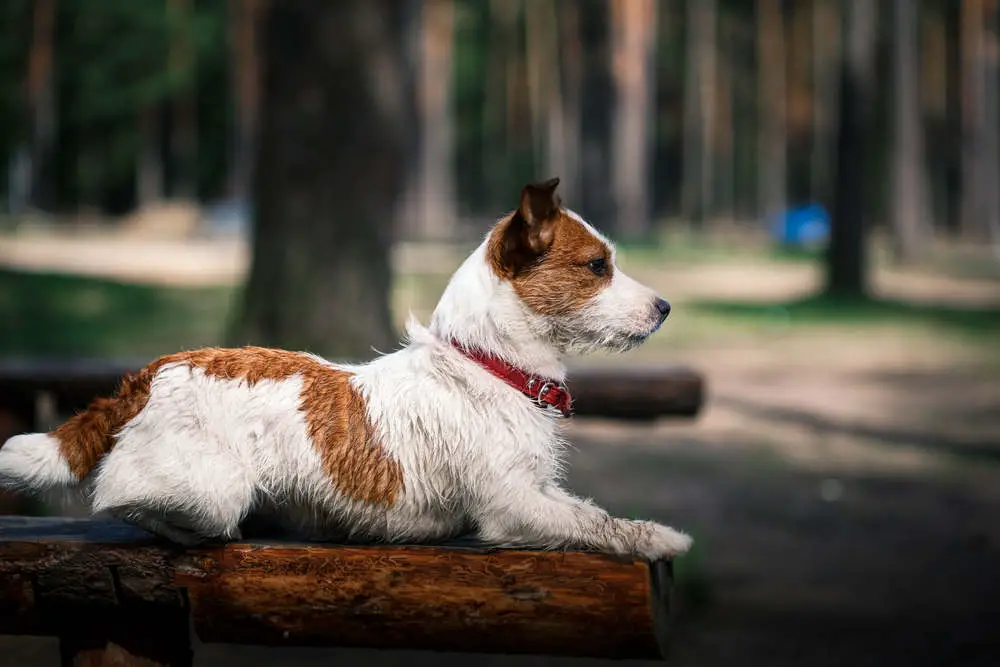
842, 483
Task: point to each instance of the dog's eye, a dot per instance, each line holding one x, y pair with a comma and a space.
598, 266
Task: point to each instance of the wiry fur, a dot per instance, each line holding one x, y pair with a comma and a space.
205, 451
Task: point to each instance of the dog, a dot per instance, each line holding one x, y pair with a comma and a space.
456, 432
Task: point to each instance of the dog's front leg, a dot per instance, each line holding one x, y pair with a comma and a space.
551, 518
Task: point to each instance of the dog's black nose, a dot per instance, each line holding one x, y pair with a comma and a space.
664, 307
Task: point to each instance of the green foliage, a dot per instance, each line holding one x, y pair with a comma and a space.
14, 28
118, 56
112, 61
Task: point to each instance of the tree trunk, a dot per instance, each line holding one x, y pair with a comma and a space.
244, 28
436, 199
991, 134
184, 121
707, 92
980, 169
29, 185
571, 60
330, 166
847, 256
909, 209
953, 130
408, 218
691, 212
699, 111
771, 159
500, 52
826, 87
725, 131
541, 47
547, 48
149, 158
596, 199
633, 25
972, 177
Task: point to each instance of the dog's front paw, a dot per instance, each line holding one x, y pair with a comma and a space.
662, 542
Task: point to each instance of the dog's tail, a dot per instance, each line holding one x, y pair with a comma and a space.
36, 462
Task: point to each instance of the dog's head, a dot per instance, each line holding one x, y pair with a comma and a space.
564, 272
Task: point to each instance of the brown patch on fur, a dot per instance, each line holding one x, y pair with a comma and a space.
558, 280
341, 431
89, 435
335, 413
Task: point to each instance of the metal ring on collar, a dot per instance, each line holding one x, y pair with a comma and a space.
544, 390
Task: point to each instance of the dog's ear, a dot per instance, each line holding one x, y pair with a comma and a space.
540, 203
529, 232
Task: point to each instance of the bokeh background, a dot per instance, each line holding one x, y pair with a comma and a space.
814, 185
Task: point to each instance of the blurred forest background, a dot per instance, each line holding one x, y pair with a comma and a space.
813, 184
700, 115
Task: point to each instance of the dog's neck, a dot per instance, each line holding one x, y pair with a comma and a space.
481, 312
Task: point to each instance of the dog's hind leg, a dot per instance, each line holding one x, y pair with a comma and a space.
159, 526
166, 485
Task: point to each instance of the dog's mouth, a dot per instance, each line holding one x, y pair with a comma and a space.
616, 340
627, 341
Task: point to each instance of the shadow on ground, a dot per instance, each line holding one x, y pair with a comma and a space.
974, 449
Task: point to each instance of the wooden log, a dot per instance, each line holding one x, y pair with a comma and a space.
642, 393
648, 392
116, 582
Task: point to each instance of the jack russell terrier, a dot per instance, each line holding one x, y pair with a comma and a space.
457, 431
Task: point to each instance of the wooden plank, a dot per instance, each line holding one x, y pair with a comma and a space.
646, 392
460, 596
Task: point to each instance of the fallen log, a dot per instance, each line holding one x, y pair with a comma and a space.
109, 591
616, 393
637, 393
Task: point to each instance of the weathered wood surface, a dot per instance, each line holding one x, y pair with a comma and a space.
60, 575
619, 393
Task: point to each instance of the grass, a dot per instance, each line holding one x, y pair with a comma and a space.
825, 310
64, 316
693, 584
59, 315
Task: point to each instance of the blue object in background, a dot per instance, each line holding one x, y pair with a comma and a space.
803, 227
228, 217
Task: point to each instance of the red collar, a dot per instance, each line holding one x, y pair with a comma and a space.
541, 390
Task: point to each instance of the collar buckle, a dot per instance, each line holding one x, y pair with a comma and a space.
523, 381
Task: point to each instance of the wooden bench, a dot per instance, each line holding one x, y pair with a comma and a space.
39, 390
114, 595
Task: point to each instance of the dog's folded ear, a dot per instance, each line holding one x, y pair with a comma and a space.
530, 231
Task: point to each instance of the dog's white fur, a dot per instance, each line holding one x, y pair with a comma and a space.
475, 453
